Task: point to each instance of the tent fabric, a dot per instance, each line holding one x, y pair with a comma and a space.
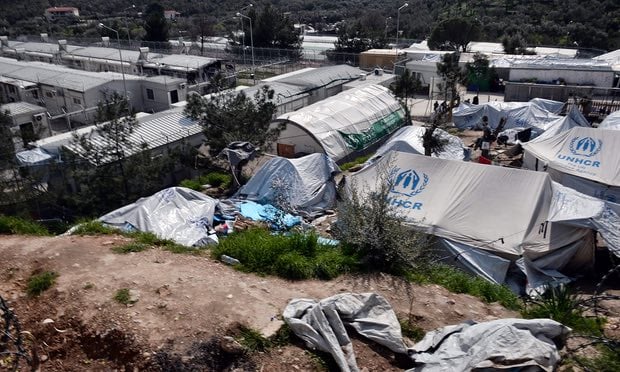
409, 139
36, 156
322, 324
305, 184
536, 113
502, 211
587, 153
277, 218
177, 213
612, 121
351, 120
503, 344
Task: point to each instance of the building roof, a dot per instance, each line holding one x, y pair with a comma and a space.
183, 62
319, 77
18, 108
103, 53
561, 63
156, 130
59, 76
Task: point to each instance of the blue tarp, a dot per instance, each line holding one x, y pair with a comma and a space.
268, 213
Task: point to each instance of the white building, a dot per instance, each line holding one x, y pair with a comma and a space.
28, 123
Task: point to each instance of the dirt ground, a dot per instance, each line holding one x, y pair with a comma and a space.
187, 308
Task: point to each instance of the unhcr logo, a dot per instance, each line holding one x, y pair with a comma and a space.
583, 148
409, 183
586, 146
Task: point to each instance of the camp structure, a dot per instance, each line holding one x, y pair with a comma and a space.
584, 159
536, 113
176, 213
341, 126
305, 185
409, 139
612, 121
492, 220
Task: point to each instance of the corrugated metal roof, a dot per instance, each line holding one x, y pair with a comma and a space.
155, 130
105, 53
59, 76
18, 108
282, 92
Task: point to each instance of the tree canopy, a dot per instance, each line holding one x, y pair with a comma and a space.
354, 37
454, 34
230, 117
155, 24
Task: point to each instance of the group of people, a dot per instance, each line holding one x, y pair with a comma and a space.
488, 136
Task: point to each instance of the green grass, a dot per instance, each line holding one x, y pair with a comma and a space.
296, 256
253, 340
122, 296
16, 225
94, 227
563, 306
141, 240
132, 247
41, 282
215, 179
458, 281
351, 164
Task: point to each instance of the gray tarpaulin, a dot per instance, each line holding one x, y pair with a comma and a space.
306, 184
322, 324
176, 213
612, 121
502, 344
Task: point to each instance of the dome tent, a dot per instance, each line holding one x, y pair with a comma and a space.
341, 125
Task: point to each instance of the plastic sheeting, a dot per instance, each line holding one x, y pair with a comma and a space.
409, 139
36, 156
305, 184
177, 213
589, 153
322, 324
268, 213
503, 344
349, 121
612, 121
537, 113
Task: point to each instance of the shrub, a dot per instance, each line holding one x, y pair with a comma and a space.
253, 340
216, 179
16, 225
294, 256
191, 184
562, 305
122, 296
607, 360
411, 331
370, 229
39, 283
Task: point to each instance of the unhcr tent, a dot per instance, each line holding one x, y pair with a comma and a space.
341, 125
409, 139
490, 218
612, 121
177, 213
536, 113
585, 159
305, 184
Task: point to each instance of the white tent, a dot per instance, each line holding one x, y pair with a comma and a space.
585, 159
488, 217
340, 125
305, 184
612, 121
536, 113
177, 213
409, 139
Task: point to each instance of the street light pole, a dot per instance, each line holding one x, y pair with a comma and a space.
251, 39
120, 55
398, 21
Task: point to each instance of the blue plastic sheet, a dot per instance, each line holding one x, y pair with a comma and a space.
275, 217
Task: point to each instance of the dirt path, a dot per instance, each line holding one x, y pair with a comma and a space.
182, 299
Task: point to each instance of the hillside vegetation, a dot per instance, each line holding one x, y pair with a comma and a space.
591, 24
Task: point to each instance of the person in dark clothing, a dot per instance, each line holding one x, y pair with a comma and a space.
487, 138
436, 106
475, 100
